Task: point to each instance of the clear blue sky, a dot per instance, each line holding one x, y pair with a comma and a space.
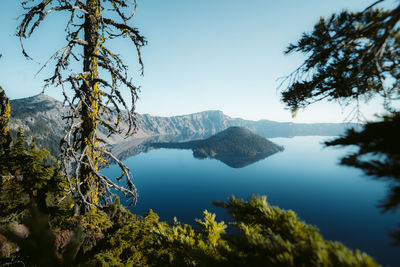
202, 55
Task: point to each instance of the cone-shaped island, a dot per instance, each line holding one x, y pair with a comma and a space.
236, 146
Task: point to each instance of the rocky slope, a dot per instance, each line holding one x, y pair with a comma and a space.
41, 116
207, 123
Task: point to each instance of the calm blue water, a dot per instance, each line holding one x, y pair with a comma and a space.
306, 178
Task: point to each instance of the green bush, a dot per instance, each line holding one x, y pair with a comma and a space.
264, 236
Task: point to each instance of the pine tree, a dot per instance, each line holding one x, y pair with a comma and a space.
26, 178
5, 136
353, 57
95, 87
264, 236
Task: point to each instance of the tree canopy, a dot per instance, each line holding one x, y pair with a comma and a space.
351, 56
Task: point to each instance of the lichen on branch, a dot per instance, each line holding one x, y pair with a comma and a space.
96, 88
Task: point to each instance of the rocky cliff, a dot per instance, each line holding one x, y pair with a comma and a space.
41, 116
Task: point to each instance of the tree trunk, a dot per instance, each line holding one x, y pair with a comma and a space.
90, 107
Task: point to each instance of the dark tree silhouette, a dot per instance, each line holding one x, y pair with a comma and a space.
96, 88
352, 57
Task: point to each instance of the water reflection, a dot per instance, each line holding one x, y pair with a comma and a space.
305, 178
131, 148
235, 160
135, 146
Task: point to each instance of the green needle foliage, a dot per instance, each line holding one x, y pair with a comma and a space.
350, 57
25, 178
270, 236
265, 236
5, 136
377, 138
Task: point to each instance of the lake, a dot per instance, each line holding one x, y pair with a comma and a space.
305, 177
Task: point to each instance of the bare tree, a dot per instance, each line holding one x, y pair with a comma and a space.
95, 87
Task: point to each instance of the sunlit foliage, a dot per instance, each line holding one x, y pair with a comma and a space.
264, 236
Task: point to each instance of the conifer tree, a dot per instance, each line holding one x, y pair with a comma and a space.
353, 57
264, 236
26, 179
5, 136
96, 87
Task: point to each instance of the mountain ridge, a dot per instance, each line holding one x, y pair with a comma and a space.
41, 116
